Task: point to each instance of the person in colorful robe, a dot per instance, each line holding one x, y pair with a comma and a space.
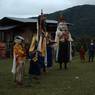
42, 42
34, 68
19, 59
63, 39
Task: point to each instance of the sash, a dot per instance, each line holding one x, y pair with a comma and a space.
14, 65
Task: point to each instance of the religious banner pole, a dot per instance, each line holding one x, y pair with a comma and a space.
42, 35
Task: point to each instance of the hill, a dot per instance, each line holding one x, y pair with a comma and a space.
82, 17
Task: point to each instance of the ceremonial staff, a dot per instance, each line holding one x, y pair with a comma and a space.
41, 30
42, 39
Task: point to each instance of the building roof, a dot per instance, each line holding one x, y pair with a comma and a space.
7, 23
7, 27
26, 20
52, 21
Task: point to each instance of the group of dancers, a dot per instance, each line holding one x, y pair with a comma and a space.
40, 51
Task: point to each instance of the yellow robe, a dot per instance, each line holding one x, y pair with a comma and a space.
19, 53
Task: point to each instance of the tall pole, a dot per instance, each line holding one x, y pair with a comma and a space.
39, 25
42, 34
40, 29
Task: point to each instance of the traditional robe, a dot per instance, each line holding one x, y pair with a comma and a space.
34, 68
42, 51
18, 61
63, 39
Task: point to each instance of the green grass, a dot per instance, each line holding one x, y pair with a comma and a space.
79, 79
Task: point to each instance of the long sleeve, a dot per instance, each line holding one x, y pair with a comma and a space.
57, 37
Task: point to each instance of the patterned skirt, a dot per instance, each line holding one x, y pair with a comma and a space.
34, 68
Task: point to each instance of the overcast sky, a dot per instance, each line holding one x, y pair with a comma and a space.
27, 8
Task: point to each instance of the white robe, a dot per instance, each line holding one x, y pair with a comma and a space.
62, 26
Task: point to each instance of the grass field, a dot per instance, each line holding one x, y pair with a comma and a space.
79, 79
